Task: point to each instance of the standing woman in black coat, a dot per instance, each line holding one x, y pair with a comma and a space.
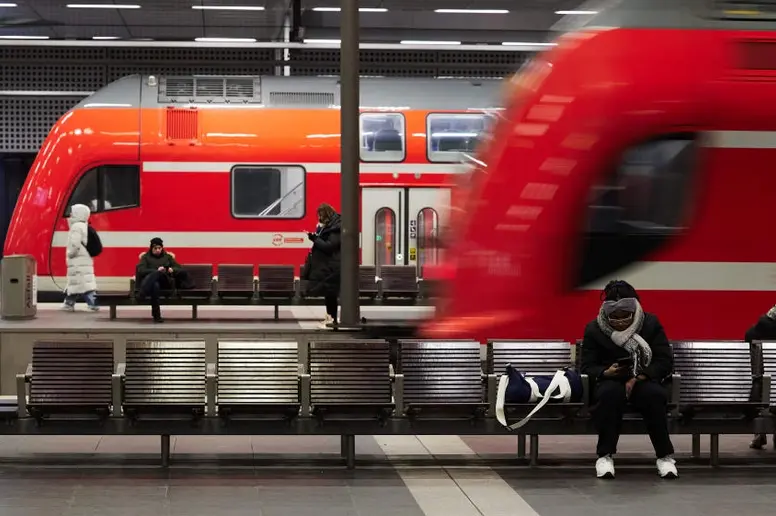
323, 266
626, 354
764, 329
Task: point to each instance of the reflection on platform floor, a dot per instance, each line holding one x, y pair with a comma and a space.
226, 476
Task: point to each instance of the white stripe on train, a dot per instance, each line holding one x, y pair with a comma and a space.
139, 240
311, 168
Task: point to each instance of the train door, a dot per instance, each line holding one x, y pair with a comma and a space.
400, 226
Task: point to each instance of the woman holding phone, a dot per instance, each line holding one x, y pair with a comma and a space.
626, 354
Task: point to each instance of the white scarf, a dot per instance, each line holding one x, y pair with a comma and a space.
629, 338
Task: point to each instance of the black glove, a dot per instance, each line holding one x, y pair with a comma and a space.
312, 236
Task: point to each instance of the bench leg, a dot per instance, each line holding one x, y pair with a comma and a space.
521, 446
534, 453
194, 311
349, 451
343, 445
696, 446
165, 451
113, 309
715, 450
277, 312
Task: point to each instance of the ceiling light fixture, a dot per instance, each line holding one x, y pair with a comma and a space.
520, 43
103, 6
576, 12
228, 7
422, 42
328, 41
5, 4
225, 40
472, 11
104, 38
24, 37
360, 9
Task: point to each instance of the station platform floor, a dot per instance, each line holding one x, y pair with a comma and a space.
460, 476
210, 318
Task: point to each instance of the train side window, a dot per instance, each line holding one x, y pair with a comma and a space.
449, 134
642, 205
107, 188
382, 137
274, 192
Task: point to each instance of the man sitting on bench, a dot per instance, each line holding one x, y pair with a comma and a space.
157, 271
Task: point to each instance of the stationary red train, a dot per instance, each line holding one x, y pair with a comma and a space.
641, 147
231, 169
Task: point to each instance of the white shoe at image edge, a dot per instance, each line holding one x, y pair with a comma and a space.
67, 308
666, 467
604, 467
325, 324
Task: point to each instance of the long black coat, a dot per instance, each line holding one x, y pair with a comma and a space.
765, 329
599, 352
323, 264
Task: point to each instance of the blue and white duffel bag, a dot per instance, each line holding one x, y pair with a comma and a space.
565, 386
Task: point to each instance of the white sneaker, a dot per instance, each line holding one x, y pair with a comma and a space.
604, 467
67, 308
326, 323
94, 308
666, 467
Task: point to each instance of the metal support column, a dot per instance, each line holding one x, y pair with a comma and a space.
296, 21
349, 443
715, 450
533, 453
165, 451
696, 446
349, 101
521, 446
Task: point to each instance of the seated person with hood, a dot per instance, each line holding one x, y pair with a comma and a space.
626, 354
157, 271
764, 329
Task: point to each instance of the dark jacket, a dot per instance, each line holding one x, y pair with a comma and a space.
149, 263
599, 352
765, 329
323, 262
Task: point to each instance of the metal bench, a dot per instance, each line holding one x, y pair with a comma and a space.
202, 278
235, 281
532, 357
436, 377
348, 381
368, 286
276, 284
399, 281
166, 377
71, 378
767, 370
718, 392
258, 379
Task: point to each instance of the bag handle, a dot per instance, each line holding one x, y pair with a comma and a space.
556, 384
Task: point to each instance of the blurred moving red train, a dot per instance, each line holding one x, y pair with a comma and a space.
641, 147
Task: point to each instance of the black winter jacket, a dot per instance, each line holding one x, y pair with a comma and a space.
599, 352
323, 276
765, 329
149, 263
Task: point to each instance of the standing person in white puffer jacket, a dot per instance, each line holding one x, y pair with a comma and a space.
80, 265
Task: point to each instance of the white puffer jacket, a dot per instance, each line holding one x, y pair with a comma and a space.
80, 266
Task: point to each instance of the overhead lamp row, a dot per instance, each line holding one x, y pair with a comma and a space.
320, 9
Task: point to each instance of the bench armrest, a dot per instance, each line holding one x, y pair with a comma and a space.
765, 394
305, 394
21, 390
492, 392
398, 394
211, 388
676, 392
117, 391
585, 390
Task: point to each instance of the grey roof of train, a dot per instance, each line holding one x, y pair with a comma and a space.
669, 14
430, 94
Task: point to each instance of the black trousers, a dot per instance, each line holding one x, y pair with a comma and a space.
649, 398
152, 285
331, 306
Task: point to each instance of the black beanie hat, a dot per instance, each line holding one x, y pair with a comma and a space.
157, 241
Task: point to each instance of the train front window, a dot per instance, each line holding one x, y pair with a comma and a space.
260, 192
382, 137
450, 134
641, 206
106, 188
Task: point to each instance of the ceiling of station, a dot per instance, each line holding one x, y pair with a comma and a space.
382, 21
